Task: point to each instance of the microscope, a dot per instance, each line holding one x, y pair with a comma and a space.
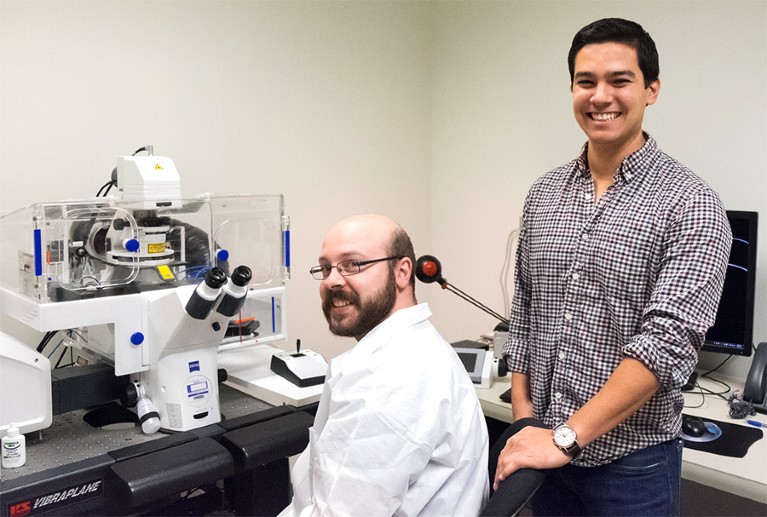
149, 283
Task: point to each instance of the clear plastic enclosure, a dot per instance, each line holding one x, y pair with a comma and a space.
75, 250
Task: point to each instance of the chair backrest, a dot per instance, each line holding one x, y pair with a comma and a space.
515, 491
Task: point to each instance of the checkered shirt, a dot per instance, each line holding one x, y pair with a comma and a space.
638, 274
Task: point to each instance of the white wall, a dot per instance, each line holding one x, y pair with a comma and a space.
440, 114
326, 103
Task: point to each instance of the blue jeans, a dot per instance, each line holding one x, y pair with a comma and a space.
646, 482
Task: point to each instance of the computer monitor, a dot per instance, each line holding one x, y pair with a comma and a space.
733, 331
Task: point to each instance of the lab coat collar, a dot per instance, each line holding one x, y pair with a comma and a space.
400, 319
380, 336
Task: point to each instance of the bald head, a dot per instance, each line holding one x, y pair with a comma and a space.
378, 233
365, 228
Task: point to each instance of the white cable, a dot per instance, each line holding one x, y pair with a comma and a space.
507, 263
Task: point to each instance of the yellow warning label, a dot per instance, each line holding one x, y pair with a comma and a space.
165, 272
155, 248
158, 167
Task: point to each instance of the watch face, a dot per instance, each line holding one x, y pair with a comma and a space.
564, 436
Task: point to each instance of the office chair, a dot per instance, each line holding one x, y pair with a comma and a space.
515, 491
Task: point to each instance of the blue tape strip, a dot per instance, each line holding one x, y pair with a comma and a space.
286, 236
38, 238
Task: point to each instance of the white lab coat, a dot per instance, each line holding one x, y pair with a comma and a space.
399, 430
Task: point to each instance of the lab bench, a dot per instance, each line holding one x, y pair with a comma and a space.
238, 466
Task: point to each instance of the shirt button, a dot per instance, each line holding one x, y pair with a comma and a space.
587, 196
561, 355
558, 396
568, 316
585, 236
576, 276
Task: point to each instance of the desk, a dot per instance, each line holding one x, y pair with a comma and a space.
492, 405
745, 477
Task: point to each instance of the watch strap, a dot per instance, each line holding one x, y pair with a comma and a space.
573, 451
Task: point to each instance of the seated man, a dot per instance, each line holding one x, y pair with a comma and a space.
399, 429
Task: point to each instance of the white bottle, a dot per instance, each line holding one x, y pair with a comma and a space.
14, 448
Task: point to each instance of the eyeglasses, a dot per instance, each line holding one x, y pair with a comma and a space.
345, 267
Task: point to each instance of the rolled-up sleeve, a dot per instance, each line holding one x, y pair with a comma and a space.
686, 296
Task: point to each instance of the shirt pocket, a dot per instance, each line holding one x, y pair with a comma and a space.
624, 259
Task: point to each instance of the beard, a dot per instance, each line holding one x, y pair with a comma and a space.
370, 311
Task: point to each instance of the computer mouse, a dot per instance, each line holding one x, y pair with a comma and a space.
693, 426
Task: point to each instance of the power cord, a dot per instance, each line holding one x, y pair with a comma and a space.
739, 408
704, 392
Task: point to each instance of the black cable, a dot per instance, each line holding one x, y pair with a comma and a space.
720, 394
707, 375
727, 387
704, 391
63, 353
45, 340
107, 186
111, 183
702, 401
42, 343
720, 365
453, 289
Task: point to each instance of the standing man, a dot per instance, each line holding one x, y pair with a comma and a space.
399, 429
620, 265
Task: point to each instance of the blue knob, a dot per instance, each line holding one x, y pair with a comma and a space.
132, 245
222, 255
137, 338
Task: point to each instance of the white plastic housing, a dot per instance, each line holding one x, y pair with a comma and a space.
25, 387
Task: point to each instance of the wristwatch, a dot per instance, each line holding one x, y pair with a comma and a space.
564, 438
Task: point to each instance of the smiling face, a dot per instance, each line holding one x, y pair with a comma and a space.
609, 97
354, 305
350, 314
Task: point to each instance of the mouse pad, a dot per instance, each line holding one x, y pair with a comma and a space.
734, 440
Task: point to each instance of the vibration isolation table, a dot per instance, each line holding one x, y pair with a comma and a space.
239, 464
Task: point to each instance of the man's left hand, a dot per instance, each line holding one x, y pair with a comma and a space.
532, 447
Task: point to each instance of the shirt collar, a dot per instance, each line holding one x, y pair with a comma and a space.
632, 165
